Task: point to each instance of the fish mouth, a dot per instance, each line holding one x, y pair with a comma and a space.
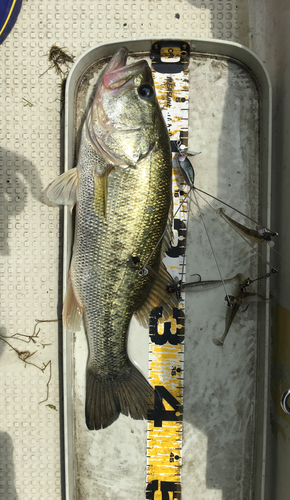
117, 73
118, 60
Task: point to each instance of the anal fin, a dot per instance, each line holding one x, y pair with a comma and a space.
72, 311
159, 296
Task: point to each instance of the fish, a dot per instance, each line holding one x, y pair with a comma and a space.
255, 236
122, 192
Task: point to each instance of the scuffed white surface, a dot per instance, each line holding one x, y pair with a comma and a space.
219, 395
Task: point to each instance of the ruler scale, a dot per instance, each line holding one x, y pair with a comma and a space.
170, 62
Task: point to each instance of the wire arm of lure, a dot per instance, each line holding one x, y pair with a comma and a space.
213, 252
188, 175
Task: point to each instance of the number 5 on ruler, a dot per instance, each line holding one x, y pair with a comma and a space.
165, 490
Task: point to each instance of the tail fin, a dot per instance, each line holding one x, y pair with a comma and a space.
128, 393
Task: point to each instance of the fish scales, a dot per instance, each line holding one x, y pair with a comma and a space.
122, 191
136, 218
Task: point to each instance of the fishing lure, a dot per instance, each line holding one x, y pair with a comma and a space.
186, 170
259, 236
198, 286
185, 164
242, 297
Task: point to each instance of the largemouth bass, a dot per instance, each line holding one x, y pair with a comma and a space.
122, 191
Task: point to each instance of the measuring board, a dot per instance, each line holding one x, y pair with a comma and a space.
170, 61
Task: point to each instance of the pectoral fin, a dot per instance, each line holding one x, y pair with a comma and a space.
158, 297
72, 311
101, 192
63, 190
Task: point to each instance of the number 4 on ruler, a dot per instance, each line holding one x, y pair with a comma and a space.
159, 414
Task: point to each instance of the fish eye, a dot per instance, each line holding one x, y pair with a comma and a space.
145, 91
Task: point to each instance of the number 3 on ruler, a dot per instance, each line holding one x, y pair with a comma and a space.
167, 335
165, 488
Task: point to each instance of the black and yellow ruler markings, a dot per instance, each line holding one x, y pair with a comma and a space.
170, 62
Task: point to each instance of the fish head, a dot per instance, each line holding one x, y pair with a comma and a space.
122, 119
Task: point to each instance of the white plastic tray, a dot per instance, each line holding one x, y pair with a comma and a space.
226, 390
